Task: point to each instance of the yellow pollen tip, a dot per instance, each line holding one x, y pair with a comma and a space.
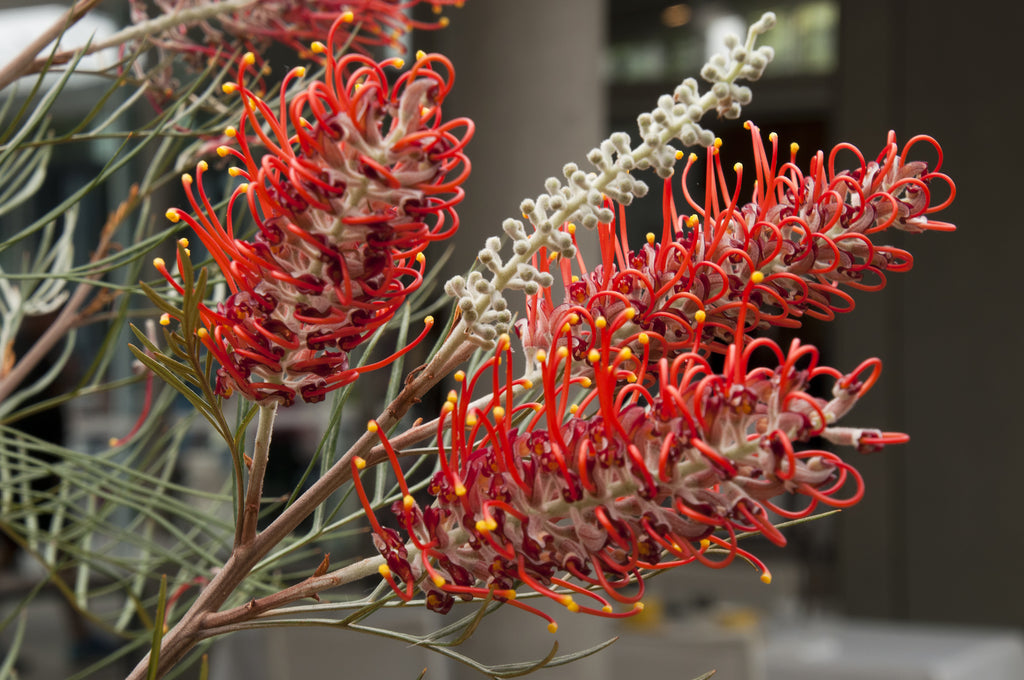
601, 322
704, 543
746, 125
481, 526
528, 384
452, 397
234, 172
639, 606
541, 355
630, 313
574, 409
574, 318
566, 327
498, 412
571, 229
554, 256
552, 627
229, 88
460, 490
408, 501
625, 354
586, 383
693, 158
607, 609
437, 9
428, 321
738, 167
348, 17
113, 441
223, 151
631, 378
471, 420
643, 338
202, 333
700, 315
650, 238
793, 148
230, 131
183, 242
438, 580
443, 22
384, 570
203, 166
172, 215
420, 54
575, 279
772, 137
563, 352
421, 258
757, 277
594, 356
399, 63
248, 58
159, 263
165, 319
459, 376
299, 71
242, 188
317, 47
372, 426
360, 462
718, 143
186, 178
679, 155
448, 407
766, 578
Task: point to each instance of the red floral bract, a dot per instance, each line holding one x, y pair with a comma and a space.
646, 471
360, 24
359, 177
809, 235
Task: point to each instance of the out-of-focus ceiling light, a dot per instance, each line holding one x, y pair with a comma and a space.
675, 16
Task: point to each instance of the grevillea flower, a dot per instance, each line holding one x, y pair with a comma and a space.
809, 235
292, 23
642, 467
359, 177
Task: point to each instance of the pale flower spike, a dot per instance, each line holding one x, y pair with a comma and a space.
580, 198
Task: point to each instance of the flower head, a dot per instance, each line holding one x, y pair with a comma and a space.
603, 479
803, 237
359, 176
359, 24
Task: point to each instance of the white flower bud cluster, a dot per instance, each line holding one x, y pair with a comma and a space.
580, 199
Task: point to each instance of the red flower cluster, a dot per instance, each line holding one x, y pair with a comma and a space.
359, 176
604, 478
293, 23
809, 236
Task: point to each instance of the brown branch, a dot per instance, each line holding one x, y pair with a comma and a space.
71, 315
23, 62
193, 625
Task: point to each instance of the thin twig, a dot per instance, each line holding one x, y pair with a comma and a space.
70, 316
23, 63
144, 29
257, 471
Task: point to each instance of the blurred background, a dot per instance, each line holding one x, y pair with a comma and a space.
923, 578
